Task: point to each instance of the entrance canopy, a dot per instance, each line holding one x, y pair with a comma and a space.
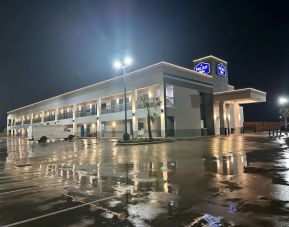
241, 96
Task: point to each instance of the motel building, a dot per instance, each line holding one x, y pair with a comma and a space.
194, 102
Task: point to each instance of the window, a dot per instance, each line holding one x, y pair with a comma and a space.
113, 103
169, 91
140, 125
121, 101
146, 96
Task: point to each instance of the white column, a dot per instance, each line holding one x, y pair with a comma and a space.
8, 127
31, 119
163, 108
74, 108
237, 124
98, 122
134, 118
42, 117
56, 114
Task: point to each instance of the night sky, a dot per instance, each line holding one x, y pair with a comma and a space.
51, 47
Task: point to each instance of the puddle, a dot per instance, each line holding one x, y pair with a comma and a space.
219, 181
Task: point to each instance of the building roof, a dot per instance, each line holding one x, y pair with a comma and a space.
242, 96
208, 58
162, 64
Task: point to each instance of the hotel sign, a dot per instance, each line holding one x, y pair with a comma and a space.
221, 70
203, 68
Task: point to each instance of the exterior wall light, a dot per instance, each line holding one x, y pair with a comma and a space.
133, 114
162, 110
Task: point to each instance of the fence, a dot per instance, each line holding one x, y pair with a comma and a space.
261, 126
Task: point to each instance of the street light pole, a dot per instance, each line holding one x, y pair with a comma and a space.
127, 61
282, 101
125, 135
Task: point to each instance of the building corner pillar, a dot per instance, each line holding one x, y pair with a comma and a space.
8, 126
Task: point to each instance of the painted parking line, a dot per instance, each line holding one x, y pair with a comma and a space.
64, 210
18, 190
22, 175
34, 188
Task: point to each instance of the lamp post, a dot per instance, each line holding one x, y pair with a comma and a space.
282, 102
122, 65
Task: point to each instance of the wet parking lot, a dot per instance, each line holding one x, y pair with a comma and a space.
241, 180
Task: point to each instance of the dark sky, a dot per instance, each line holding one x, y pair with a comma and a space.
51, 47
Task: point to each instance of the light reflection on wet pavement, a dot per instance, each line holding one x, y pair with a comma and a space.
219, 181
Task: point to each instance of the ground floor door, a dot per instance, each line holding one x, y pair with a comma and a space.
170, 126
103, 129
82, 131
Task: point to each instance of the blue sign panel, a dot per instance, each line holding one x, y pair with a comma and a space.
221, 70
203, 68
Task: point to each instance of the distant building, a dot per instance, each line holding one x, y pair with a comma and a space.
194, 103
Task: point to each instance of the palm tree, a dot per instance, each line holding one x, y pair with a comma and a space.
147, 104
285, 114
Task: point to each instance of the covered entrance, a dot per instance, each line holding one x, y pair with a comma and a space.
228, 112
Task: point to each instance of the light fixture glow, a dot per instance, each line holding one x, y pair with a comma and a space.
117, 64
127, 60
283, 100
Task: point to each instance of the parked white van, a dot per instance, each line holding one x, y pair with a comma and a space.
41, 133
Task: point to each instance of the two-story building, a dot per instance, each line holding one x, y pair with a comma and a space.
194, 102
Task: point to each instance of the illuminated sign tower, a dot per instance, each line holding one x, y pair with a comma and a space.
215, 67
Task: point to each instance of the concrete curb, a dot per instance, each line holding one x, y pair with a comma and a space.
143, 143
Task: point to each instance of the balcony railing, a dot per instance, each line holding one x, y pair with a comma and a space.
115, 108
141, 105
170, 102
26, 122
37, 120
49, 118
86, 112
67, 115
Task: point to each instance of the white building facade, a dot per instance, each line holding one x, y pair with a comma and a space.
193, 103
